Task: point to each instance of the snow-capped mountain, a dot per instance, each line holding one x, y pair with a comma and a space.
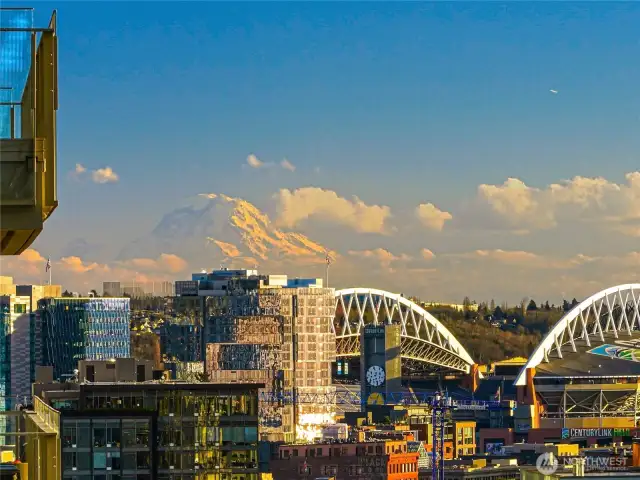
218, 229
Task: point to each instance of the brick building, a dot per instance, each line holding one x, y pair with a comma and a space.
346, 461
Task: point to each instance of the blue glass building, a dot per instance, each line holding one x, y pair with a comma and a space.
180, 341
76, 329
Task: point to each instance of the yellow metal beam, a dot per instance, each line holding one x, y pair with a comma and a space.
28, 165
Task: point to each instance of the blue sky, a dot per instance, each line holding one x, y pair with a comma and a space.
398, 103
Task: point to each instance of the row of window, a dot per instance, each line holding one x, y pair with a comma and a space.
162, 476
111, 435
133, 461
403, 467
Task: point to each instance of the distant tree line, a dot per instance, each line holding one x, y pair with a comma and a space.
494, 332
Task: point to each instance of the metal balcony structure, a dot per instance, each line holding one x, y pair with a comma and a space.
28, 106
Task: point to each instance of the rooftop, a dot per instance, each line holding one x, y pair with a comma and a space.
615, 357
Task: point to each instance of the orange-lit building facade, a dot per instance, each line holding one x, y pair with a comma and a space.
464, 439
353, 461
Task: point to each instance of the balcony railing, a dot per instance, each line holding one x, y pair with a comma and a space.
49, 415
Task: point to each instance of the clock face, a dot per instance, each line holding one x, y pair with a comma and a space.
375, 376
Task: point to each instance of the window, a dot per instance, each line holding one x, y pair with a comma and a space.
329, 470
79, 461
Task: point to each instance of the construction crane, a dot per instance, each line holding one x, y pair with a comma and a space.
28, 105
441, 405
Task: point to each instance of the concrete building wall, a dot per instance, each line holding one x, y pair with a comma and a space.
38, 292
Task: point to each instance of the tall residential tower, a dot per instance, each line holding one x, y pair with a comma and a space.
273, 330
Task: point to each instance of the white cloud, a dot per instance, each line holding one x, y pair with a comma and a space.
297, 206
432, 217
254, 162
522, 259
78, 274
382, 256
105, 175
78, 171
427, 254
583, 199
287, 165
378, 260
166, 262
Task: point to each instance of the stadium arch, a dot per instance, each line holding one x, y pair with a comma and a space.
613, 313
425, 343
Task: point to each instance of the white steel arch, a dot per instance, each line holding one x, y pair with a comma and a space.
614, 311
424, 340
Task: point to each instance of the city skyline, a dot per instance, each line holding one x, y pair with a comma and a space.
439, 150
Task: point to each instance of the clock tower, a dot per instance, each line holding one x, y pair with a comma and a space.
380, 363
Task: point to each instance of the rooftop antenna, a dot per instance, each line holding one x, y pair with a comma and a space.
328, 259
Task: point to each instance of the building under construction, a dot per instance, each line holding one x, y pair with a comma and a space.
271, 330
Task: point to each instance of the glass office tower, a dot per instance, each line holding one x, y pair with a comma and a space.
75, 329
159, 430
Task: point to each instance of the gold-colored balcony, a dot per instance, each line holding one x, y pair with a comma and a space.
28, 105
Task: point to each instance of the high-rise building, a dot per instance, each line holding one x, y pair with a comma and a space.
38, 292
75, 329
111, 289
272, 330
17, 352
17, 355
7, 287
180, 341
